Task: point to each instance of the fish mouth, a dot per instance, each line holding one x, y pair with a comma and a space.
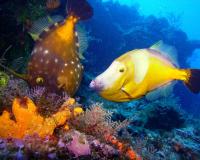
96, 85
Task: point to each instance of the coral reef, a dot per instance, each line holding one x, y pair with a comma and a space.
97, 122
157, 140
156, 129
47, 102
165, 117
29, 131
4, 79
14, 88
35, 147
79, 145
29, 122
187, 143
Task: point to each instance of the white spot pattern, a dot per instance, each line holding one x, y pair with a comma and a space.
46, 52
72, 62
56, 60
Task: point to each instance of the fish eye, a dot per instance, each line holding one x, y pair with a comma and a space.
40, 80
121, 70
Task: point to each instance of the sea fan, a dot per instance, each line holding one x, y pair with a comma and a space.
97, 122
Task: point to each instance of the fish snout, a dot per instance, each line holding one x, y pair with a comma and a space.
96, 85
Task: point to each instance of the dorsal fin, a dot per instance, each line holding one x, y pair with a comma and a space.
167, 51
83, 39
43, 25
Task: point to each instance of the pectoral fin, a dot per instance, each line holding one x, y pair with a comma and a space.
127, 92
35, 37
81, 56
134, 92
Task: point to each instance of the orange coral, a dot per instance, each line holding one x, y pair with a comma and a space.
28, 122
130, 153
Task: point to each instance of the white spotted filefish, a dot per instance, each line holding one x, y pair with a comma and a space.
138, 72
54, 62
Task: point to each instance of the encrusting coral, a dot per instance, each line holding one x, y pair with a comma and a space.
97, 122
123, 148
77, 134
28, 121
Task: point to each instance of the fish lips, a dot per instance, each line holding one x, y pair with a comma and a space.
96, 85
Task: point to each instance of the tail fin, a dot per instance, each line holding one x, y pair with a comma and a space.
80, 9
193, 81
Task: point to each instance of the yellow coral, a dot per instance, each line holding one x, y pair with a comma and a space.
27, 121
77, 111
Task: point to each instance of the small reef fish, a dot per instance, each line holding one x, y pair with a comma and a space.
140, 71
55, 62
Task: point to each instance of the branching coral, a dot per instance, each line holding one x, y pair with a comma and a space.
97, 121
29, 122
123, 148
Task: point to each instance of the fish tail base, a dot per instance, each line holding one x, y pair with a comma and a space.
193, 80
80, 9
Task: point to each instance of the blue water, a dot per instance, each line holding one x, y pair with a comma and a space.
188, 10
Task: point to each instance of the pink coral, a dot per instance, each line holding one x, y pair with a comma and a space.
79, 145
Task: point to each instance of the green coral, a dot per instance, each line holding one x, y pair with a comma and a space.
4, 79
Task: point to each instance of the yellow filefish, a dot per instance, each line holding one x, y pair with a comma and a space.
140, 71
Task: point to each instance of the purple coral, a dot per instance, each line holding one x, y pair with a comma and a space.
36, 92
47, 102
79, 145
106, 149
15, 88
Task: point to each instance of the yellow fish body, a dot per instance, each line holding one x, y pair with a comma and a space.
140, 71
